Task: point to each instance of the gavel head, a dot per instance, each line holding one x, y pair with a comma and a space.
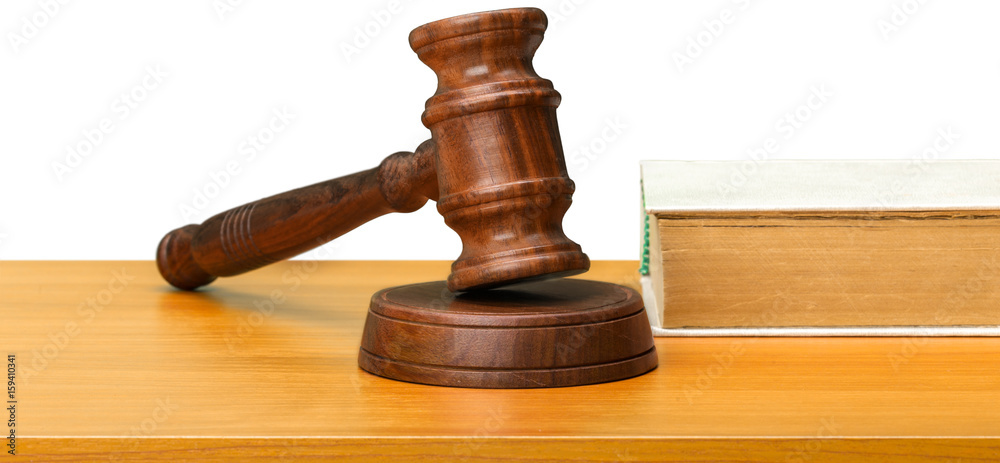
502, 178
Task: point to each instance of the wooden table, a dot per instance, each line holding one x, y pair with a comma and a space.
112, 363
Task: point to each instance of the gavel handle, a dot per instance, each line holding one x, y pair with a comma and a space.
278, 227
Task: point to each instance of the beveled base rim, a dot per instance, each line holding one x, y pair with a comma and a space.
552, 333
484, 378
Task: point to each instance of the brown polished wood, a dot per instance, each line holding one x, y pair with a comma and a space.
264, 368
495, 165
282, 226
540, 334
504, 186
495, 160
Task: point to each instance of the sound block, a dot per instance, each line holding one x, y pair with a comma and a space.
552, 333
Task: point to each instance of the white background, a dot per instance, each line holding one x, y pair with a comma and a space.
893, 89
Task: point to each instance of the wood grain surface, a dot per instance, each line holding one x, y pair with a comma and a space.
550, 333
287, 224
811, 269
494, 165
504, 187
115, 364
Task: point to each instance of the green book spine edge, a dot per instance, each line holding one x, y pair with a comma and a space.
644, 261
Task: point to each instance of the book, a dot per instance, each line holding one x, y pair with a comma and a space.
822, 247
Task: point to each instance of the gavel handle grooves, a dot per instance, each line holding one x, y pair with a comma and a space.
282, 226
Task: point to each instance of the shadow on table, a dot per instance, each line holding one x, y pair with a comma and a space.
223, 302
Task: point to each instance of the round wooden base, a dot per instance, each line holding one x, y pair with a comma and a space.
549, 333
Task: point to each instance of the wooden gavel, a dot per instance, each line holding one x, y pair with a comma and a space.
494, 164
